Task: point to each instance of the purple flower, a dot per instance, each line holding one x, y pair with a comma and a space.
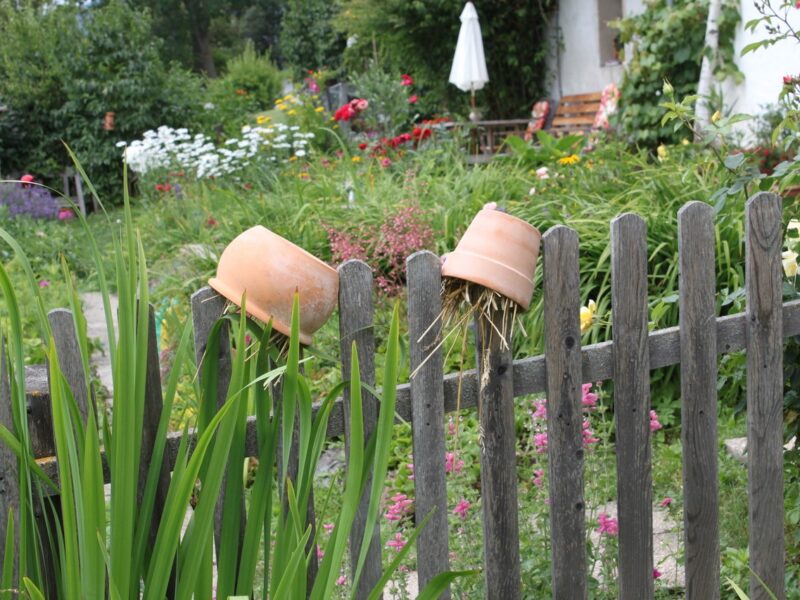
29, 200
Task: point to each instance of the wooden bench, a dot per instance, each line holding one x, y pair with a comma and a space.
575, 114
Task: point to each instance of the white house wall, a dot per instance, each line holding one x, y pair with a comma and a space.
574, 63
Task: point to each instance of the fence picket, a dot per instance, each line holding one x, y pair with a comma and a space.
764, 285
207, 308
427, 394
564, 413
498, 458
631, 406
699, 400
356, 323
153, 406
68, 351
9, 477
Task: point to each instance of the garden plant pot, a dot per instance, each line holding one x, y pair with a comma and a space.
270, 269
499, 252
108, 121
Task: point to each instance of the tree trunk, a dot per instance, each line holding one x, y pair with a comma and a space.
703, 106
199, 23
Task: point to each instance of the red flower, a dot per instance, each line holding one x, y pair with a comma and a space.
787, 80
406, 80
419, 134
412, 99
211, 221
363, 146
26, 180
159, 187
344, 113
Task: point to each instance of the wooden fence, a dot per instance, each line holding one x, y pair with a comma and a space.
627, 360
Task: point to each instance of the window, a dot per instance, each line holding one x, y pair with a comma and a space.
608, 10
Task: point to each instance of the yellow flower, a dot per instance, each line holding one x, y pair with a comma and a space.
569, 160
261, 119
356, 159
587, 316
282, 107
292, 113
319, 109
685, 142
789, 263
304, 175
715, 117
292, 158
662, 152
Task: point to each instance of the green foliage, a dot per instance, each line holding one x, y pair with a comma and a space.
80, 66
251, 84
308, 39
389, 111
667, 43
419, 38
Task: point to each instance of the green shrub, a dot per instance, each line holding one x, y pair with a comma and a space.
308, 40
419, 38
63, 69
666, 41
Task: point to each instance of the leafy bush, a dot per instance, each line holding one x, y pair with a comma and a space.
666, 41
308, 39
420, 38
390, 109
64, 69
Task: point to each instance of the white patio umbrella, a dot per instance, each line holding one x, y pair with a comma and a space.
468, 72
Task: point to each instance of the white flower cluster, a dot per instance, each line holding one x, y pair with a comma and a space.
168, 148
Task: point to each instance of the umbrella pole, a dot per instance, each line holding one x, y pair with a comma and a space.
473, 115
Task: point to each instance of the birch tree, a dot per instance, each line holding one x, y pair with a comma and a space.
703, 106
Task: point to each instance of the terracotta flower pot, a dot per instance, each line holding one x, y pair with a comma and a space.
271, 268
108, 121
499, 252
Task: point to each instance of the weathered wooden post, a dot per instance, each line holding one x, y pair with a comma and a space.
632, 406
764, 285
698, 327
427, 397
355, 324
564, 412
498, 455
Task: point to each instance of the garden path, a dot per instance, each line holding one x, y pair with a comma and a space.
95, 317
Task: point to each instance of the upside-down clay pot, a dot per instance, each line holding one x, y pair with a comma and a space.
499, 252
270, 269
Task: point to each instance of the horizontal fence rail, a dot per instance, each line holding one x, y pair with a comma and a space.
529, 377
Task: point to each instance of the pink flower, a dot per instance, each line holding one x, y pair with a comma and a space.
386, 162
656, 573
400, 506
44, 283
589, 399
665, 502
342, 580
654, 424
461, 508
451, 427
787, 80
412, 99
538, 475
406, 80
451, 465
540, 413
540, 442
411, 468
65, 213
328, 527
26, 180
607, 525
397, 543
320, 553
359, 104
588, 435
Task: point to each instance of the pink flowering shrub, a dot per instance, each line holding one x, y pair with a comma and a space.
384, 247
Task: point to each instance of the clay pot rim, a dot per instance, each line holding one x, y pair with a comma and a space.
290, 244
223, 288
467, 274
